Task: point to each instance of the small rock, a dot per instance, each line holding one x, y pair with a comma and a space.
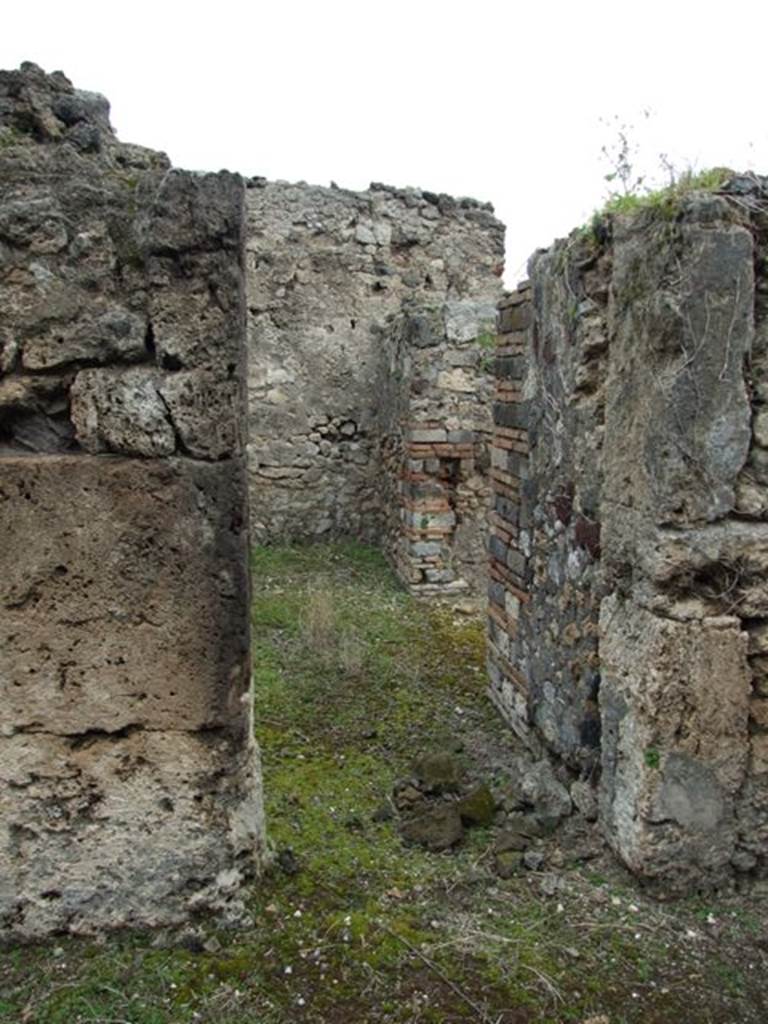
541, 825
286, 861
407, 796
438, 773
742, 860
584, 799
533, 860
477, 807
556, 858
521, 830
550, 884
465, 608
511, 839
508, 863
436, 828
191, 941
549, 798
511, 800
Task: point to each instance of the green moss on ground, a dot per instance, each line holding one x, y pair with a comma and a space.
353, 679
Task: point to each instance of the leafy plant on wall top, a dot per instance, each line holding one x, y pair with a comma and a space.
629, 189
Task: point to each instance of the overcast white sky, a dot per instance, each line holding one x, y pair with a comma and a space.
501, 101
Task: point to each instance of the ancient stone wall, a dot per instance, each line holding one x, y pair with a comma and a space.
130, 788
628, 601
331, 277
435, 446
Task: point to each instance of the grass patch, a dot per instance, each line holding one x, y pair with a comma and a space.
352, 679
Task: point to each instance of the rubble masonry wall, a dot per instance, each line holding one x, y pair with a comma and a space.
370, 315
629, 546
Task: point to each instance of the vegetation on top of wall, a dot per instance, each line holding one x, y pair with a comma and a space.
668, 198
634, 186
661, 203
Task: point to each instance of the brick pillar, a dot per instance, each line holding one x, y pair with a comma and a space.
508, 544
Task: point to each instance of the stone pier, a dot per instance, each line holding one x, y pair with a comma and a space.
129, 781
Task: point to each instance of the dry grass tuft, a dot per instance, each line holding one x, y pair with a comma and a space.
319, 627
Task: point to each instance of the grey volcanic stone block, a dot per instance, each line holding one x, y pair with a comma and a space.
115, 335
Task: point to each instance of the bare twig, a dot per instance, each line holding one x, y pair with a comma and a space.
482, 1015
546, 981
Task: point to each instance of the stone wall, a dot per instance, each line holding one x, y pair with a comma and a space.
130, 789
629, 556
330, 276
435, 443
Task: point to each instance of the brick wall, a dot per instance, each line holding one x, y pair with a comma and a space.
435, 444
509, 534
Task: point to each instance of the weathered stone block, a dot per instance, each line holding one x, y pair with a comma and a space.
125, 731
509, 367
457, 380
434, 435
115, 335
191, 212
124, 595
143, 828
679, 418
425, 549
123, 412
202, 407
512, 415
195, 312
497, 548
674, 702
466, 319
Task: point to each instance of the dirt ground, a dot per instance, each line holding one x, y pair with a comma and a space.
353, 681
